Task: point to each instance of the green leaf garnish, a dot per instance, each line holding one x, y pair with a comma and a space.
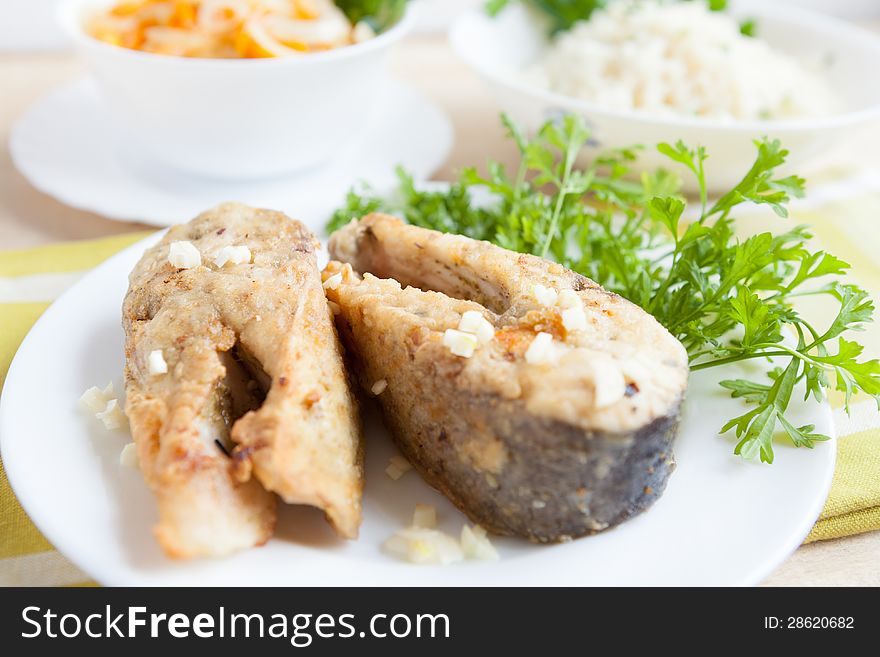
562, 14
379, 14
727, 299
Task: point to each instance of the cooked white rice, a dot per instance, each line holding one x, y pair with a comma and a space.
679, 59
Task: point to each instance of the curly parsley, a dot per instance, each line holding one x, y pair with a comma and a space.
726, 299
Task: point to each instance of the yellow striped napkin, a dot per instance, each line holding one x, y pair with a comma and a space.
843, 223
29, 281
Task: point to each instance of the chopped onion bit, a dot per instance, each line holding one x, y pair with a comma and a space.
460, 343
568, 299
333, 281
541, 351
609, 382
112, 416
546, 296
474, 323
156, 363
574, 319
423, 543
105, 406
397, 467
128, 457
424, 546
476, 545
232, 255
184, 255
95, 400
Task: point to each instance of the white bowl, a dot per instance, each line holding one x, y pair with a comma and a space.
231, 118
499, 48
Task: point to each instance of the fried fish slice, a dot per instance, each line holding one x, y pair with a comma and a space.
547, 438
253, 368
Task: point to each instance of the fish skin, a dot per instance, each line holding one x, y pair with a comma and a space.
302, 442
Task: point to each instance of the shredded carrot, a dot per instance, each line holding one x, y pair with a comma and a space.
305, 9
184, 15
224, 28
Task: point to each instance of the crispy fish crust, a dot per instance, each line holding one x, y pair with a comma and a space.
230, 335
547, 451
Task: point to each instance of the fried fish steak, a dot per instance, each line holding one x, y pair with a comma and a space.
565, 439
255, 399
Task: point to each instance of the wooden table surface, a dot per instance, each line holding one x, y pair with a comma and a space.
29, 218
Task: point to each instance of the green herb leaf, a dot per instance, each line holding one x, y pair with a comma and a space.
562, 14
379, 14
727, 299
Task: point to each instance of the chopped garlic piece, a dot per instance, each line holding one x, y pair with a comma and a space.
95, 400
568, 299
474, 323
333, 282
397, 467
184, 255
156, 363
542, 350
546, 296
379, 387
460, 343
425, 516
424, 546
636, 373
112, 416
129, 456
362, 32
475, 544
423, 543
610, 384
393, 473
232, 255
574, 319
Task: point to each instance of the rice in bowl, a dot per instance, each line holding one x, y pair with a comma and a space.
678, 59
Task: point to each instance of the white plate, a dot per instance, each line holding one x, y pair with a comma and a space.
66, 145
722, 521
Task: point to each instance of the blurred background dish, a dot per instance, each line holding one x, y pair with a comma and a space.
437, 15
35, 28
67, 147
850, 9
238, 119
503, 48
237, 29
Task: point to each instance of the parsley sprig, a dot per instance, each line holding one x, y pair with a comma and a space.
727, 299
563, 14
